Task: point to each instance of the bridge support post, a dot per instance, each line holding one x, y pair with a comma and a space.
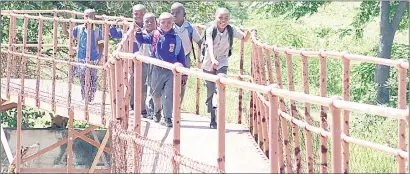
221, 122
176, 114
336, 133
401, 123
274, 147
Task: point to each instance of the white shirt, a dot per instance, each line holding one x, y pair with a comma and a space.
184, 35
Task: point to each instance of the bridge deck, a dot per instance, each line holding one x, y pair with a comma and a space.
197, 140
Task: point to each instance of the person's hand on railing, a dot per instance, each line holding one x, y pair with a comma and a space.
121, 19
247, 35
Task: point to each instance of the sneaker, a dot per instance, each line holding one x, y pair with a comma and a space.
168, 122
144, 114
213, 125
150, 116
157, 117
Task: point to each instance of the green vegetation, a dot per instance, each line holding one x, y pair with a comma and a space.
321, 26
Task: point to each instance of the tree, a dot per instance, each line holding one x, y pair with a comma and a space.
391, 20
388, 28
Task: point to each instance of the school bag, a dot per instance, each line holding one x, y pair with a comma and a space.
204, 46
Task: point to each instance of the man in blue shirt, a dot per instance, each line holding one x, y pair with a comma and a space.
97, 41
167, 46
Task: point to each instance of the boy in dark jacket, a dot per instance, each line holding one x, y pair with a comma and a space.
166, 46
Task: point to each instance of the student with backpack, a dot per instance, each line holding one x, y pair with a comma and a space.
166, 46
138, 13
150, 25
188, 34
216, 49
97, 41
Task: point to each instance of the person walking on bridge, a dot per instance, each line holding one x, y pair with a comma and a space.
138, 12
150, 24
218, 39
187, 33
80, 33
166, 46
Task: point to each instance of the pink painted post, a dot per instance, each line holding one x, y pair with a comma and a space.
127, 86
240, 91
262, 115
87, 71
295, 131
137, 109
273, 132
336, 133
19, 139
308, 139
70, 66
137, 95
253, 102
119, 87
104, 72
402, 123
23, 59
113, 91
177, 114
70, 139
284, 125
55, 42
10, 56
323, 115
346, 97
221, 122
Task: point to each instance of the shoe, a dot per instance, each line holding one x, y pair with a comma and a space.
213, 124
157, 117
150, 116
168, 122
144, 114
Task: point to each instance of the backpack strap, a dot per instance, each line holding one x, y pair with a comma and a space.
214, 32
178, 43
190, 30
155, 40
230, 34
190, 33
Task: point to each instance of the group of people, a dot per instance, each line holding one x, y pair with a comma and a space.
170, 38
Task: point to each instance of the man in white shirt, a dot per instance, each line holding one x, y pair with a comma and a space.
187, 33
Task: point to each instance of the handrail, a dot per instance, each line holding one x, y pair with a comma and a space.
334, 54
59, 19
302, 97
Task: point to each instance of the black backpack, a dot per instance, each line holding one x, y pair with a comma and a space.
204, 46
